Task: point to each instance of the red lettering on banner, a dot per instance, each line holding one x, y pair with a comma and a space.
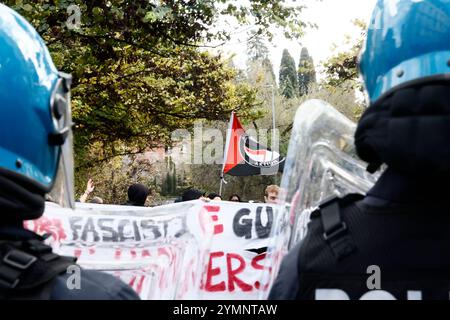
162, 279
214, 272
163, 275
117, 254
206, 218
236, 265
185, 285
163, 252
140, 283
218, 227
211, 208
193, 277
257, 266
232, 278
145, 253
131, 283
51, 226
77, 253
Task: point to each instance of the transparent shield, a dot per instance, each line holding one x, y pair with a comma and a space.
63, 188
321, 162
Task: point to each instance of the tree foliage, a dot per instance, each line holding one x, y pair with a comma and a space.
141, 70
259, 67
288, 75
256, 47
342, 67
306, 72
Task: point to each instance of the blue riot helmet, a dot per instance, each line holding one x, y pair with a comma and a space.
35, 116
407, 43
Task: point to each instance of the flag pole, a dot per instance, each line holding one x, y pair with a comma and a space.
273, 127
273, 111
225, 152
221, 182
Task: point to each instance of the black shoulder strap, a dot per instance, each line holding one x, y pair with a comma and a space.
28, 268
336, 233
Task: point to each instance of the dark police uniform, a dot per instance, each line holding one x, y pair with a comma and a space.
30, 270
401, 229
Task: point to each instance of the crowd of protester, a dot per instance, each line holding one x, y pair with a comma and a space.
138, 193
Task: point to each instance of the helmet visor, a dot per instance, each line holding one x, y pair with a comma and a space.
62, 191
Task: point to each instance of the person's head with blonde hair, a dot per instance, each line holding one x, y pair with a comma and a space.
271, 194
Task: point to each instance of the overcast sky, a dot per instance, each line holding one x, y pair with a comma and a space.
334, 21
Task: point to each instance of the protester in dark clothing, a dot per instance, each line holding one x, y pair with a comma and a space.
214, 196
235, 198
192, 194
137, 195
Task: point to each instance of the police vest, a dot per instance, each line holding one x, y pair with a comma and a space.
28, 269
354, 251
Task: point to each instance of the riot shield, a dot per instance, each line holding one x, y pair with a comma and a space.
321, 162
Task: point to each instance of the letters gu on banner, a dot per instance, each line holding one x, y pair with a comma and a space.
190, 250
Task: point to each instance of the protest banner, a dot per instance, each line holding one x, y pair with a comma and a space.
152, 249
241, 233
189, 250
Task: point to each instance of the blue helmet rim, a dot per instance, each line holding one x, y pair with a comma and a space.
427, 67
25, 181
412, 83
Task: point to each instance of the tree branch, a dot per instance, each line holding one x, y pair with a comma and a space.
94, 162
109, 37
181, 43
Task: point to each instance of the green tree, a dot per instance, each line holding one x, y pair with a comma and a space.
174, 181
138, 70
288, 75
112, 178
169, 186
342, 67
306, 72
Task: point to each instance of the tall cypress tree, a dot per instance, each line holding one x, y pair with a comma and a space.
170, 182
288, 75
174, 180
306, 72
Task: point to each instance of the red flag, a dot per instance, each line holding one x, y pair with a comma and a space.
244, 156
